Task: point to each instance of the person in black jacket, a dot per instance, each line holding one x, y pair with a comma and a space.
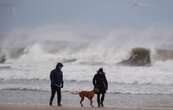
100, 86
56, 77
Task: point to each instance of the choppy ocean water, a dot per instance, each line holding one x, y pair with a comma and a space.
122, 79
28, 74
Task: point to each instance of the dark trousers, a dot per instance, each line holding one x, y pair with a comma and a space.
53, 92
100, 99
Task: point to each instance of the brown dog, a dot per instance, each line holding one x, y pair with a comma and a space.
87, 94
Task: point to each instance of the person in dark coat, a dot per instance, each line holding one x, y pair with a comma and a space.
100, 86
56, 78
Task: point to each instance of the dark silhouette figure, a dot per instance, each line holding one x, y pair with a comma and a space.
56, 77
100, 86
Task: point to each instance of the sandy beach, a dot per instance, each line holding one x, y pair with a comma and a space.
45, 107
71, 102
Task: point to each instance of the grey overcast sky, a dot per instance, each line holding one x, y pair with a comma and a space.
101, 13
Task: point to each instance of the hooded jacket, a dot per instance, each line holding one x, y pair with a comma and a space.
56, 77
100, 82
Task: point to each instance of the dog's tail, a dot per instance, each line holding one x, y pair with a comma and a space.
75, 92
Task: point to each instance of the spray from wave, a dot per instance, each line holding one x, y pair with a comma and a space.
32, 54
74, 43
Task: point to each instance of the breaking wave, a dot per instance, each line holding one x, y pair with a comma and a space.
35, 56
68, 52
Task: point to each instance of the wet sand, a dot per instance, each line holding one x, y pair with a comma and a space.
38, 100
45, 107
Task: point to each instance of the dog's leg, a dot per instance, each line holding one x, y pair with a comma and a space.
91, 103
82, 98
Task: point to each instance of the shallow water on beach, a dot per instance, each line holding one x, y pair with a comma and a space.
68, 99
38, 92
75, 86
